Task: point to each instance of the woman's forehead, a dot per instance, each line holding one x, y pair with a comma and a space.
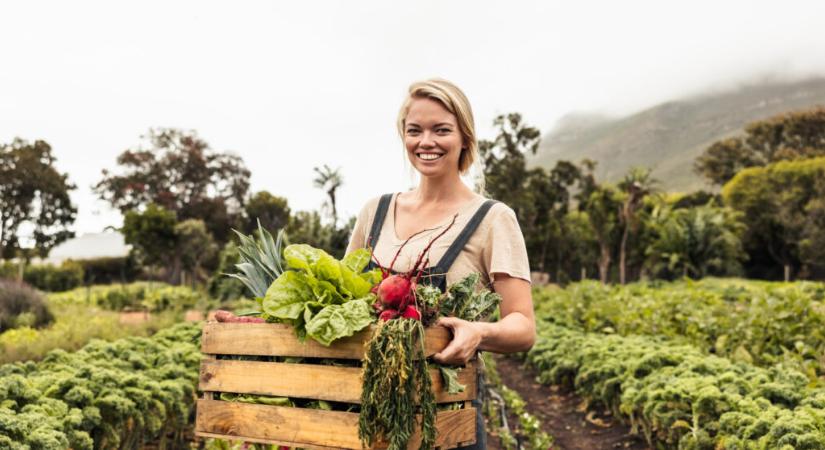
426, 111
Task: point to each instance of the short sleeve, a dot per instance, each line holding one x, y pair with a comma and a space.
505, 250
358, 239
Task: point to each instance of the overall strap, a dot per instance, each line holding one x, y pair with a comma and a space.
378, 220
377, 224
458, 245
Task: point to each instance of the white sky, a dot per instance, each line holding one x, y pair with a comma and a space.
293, 85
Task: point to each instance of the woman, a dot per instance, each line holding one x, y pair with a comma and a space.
436, 125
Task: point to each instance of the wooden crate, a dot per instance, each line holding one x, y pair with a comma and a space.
299, 427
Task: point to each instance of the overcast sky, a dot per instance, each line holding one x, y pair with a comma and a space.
293, 85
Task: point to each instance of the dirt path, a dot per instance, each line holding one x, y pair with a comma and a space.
561, 414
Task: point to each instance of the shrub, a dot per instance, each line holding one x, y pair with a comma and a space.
21, 305
47, 277
220, 285
9, 270
141, 295
109, 270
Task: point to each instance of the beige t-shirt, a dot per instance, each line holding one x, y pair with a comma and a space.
497, 245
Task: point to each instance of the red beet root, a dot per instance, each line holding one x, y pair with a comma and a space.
388, 314
393, 290
411, 312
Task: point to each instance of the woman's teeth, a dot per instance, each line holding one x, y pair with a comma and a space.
429, 156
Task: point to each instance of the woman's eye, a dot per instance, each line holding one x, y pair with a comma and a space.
443, 130
412, 131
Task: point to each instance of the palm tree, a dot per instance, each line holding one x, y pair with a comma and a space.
636, 185
329, 181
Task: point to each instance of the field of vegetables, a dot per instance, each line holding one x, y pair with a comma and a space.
714, 364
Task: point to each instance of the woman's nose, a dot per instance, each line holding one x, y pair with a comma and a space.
427, 140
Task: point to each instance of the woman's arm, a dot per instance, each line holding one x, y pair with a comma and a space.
514, 332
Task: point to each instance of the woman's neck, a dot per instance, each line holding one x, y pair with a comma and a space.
441, 190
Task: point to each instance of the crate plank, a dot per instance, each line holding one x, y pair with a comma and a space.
263, 441
312, 428
340, 384
275, 339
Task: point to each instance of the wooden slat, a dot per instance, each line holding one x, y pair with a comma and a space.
312, 428
264, 441
312, 381
275, 339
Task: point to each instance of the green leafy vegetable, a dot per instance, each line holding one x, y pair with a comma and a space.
450, 377
337, 321
287, 295
463, 301
323, 298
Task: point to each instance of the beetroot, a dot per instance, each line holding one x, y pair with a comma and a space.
388, 314
411, 312
393, 290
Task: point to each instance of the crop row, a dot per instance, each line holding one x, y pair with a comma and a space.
680, 397
117, 394
756, 322
502, 402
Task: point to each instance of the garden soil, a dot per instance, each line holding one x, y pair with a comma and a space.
562, 414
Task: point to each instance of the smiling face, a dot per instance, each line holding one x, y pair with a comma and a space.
432, 138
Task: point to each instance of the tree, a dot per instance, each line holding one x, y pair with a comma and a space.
505, 165
776, 201
799, 134
581, 248
636, 185
195, 244
179, 172
603, 208
33, 193
329, 181
696, 242
812, 244
271, 210
151, 234
306, 227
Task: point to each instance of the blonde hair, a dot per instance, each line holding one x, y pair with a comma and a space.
454, 101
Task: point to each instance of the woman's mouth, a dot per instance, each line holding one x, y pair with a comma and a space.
429, 156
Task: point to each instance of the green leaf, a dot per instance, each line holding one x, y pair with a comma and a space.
354, 284
328, 269
324, 291
286, 296
302, 257
337, 321
450, 377
373, 276
357, 260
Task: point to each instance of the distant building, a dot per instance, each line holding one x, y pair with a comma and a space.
91, 245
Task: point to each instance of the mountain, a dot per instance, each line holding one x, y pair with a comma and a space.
668, 137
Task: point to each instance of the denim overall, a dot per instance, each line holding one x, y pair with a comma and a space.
436, 275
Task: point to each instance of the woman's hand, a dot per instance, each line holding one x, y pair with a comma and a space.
467, 336
514, 332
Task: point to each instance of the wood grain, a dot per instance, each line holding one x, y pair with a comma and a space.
312, 381
275, 339
312, 428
